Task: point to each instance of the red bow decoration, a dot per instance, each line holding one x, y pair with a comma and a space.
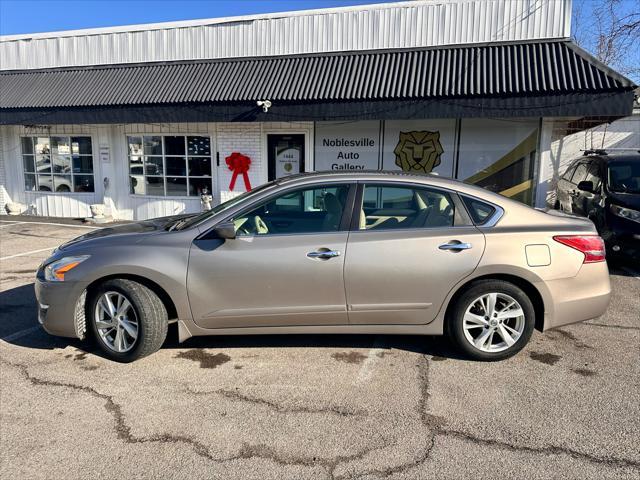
239, 163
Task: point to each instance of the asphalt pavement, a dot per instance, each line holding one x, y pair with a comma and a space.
314, 406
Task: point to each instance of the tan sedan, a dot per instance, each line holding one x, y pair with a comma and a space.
372, 253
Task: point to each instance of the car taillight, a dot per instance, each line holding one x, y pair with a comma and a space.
591, 245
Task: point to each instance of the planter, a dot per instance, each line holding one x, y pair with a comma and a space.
14, 208
97, 210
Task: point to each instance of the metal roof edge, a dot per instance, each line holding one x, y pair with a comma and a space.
295, 55
601, 65
216, 21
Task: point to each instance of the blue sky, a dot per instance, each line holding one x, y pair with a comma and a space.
31, 16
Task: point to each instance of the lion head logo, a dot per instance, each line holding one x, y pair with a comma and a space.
418, 151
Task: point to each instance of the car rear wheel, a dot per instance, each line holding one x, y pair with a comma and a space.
127, 319
492, 320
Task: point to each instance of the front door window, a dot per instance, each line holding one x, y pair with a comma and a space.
285, 155
308, 210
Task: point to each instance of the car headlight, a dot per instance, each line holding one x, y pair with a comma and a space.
627, 213
55, 271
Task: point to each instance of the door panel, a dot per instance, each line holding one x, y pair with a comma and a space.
589, 202
402, 276
267, 280
402, 263
286, 266
564, 187
578, 176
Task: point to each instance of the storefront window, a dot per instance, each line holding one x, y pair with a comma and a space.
499, 155
496, 154
57, 164
169, 165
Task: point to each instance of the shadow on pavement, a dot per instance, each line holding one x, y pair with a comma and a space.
19, 326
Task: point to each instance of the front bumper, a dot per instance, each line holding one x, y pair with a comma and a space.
576, 299
61, 307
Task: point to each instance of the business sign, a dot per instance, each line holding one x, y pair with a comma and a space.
419, 146
287, 161
341, 146
104, 153
493, 153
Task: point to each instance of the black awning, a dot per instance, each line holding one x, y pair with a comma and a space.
525, 79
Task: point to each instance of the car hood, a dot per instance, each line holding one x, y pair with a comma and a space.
125, 232
628, 200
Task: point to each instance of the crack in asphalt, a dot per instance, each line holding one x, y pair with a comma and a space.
605, 325
549, 450
434, 424
123, 431
247, 452
267, 453
237, 396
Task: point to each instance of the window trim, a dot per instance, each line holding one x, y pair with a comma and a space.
52, 192
453, 195
345, 221
164, 175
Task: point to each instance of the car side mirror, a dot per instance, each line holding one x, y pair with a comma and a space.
225, 230
586, 186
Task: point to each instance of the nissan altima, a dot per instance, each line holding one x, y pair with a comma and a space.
366, 253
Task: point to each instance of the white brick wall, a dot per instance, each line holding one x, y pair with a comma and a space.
245, 138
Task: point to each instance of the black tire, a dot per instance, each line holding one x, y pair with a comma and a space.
150, 311
455, 329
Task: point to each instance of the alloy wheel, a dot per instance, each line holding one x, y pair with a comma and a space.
493, 322
116, 321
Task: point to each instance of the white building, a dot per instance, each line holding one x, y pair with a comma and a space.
142, 118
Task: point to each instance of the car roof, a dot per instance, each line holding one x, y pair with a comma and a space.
368, 175
397, 176
611, 157
378, 175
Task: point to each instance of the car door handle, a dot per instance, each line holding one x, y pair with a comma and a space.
324, 254
455, 246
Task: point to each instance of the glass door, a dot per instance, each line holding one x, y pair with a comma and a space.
285, 155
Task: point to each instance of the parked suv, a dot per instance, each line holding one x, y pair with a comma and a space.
605, 187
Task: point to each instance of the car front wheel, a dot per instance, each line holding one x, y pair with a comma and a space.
492, 320
128, 320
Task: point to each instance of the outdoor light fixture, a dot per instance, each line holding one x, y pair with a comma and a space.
265, 104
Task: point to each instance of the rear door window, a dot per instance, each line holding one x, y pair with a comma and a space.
386, 207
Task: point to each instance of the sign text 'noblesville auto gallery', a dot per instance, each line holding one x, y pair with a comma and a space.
467, 89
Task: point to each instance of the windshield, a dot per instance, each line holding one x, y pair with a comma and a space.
624, 177
190, 222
